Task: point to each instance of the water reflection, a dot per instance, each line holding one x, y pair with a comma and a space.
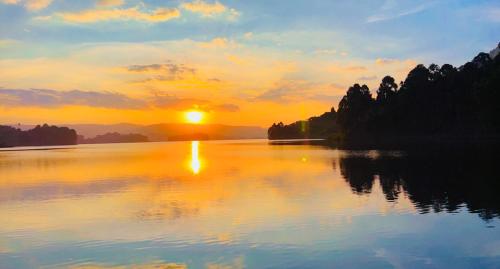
195, 158
256, 205
434, 181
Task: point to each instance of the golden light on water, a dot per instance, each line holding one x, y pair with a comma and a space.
194, 116
195, 157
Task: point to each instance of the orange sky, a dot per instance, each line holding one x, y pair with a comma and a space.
244, 63
157, 82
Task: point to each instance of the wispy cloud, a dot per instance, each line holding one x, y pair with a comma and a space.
163, 72
53, 98
367, 78
109, 3
48, 98
204, 8
219, 42
32, 5
227, 107
171, 68
391, 11
287, 91
161, 100
207, 9
120, 14
386, 61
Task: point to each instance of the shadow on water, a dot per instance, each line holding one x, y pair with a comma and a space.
438, 181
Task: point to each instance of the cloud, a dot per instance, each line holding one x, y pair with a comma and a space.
236, 59
248, 35
381, 61
337, 86
278, 94
133, 13
388, 11
154, 265
169, 101
395, 62
218, 42
172, 102
210, 9
166, 71
32, 5
204, 8
325, 51
367, 78
286, 91
53, 98
109, 3
336, 68
47, 98
227, 107
162, 72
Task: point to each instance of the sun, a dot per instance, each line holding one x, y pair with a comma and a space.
194, 116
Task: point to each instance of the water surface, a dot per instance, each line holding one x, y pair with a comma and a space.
246, 204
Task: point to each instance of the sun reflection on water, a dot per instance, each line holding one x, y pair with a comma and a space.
195, 159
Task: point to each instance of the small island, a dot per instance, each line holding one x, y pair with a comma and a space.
113, 138
43, 135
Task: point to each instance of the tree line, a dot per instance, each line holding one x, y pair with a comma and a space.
44, 135
432, 102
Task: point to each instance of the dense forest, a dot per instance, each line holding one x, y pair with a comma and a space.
44, 135
440, 103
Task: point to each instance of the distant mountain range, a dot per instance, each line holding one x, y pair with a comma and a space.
167, 131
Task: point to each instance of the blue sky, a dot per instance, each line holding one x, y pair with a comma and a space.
314, 44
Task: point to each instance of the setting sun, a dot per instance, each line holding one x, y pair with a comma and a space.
194, 117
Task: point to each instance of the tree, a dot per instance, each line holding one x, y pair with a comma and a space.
387, 90
355, 107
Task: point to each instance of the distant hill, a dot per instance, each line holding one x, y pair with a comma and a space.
168, 131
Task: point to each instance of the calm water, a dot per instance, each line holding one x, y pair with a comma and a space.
246, 204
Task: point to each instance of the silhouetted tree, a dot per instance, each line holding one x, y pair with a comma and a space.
386, 91
355, 107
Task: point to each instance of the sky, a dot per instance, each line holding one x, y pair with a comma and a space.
242, 62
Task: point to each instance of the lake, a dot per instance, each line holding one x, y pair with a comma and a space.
247, 204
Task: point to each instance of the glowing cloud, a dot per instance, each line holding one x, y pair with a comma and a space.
204, 8
32, 5
211, 9
109, 3
134, 13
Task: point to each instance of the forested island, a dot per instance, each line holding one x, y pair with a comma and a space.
440, 104
43, 135
113, 138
